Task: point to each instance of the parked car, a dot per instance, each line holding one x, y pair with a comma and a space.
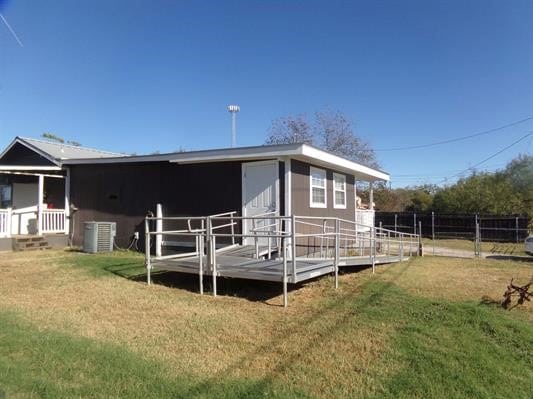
528, 245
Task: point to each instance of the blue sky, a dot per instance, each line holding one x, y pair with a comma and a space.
141, 76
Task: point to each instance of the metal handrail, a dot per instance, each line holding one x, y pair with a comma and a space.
346, 235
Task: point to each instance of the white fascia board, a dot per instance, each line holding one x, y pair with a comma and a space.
26, 173
232, 157
29, 168
324, 158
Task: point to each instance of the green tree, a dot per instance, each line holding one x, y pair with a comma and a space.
53, 137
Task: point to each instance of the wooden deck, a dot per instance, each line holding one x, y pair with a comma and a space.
239, 262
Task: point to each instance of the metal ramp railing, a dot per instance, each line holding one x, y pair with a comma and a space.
289, 249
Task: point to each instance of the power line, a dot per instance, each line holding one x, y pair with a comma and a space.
413, 147
492, 156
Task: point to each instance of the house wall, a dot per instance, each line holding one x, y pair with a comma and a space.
22, 155
300, 181
300, 172
124, 193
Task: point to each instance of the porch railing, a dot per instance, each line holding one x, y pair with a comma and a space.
5, 222
364, 218
53, 221
295, 239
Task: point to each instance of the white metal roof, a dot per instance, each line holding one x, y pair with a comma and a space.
303, 152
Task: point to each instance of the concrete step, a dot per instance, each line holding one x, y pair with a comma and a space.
30, 243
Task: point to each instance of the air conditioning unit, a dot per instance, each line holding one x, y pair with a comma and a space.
99, 236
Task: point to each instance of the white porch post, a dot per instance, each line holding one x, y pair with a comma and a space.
40, 205
67, 202
371, 200
9, 224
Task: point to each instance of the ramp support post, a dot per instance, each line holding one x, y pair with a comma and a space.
285, 295
337, 251
147, 251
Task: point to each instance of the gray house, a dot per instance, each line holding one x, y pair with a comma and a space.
49, 189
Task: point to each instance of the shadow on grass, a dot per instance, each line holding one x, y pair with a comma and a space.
518, 258
488, 301
129, 267
333, 317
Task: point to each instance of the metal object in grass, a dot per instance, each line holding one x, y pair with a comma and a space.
515, 291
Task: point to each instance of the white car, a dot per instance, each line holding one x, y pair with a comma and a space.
528, 245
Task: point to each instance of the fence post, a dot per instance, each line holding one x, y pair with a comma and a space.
476, 226
477, 243
395, 222
414, 223
516, 220
433, 230
420, 251
401, 247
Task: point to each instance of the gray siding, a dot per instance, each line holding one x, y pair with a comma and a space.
300, 193
301, 207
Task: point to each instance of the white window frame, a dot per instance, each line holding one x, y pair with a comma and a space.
323, 172
335, 191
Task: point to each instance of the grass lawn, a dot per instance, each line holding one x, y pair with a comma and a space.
500, 248
76, 325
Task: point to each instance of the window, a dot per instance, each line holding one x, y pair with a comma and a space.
5, 196
339, 191
318, 188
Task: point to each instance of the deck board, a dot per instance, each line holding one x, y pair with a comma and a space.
240, 262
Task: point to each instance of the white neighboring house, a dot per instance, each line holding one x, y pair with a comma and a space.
34, 186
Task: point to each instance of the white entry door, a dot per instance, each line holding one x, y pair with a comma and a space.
260, 194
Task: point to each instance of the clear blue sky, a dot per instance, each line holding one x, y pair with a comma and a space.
141, 76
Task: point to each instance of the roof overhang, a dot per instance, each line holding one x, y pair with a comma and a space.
301, 152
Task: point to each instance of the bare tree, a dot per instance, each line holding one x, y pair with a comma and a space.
290, 130
332, 131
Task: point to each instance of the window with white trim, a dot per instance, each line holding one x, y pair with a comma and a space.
339, 191
317, 194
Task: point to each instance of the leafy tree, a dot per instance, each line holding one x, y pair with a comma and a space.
482, 193
329, 130
53, 137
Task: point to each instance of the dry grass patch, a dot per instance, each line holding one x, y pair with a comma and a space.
497, 248
460, 279
306, 345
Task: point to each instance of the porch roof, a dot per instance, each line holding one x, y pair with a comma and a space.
31, 170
